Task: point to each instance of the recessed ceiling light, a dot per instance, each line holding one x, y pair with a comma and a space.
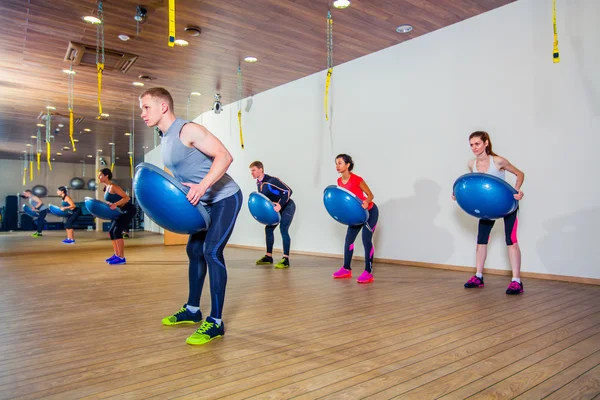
69, 71
51, 108
40, 125
124, 37
105, 115
117, 158
59, 154
60, 125
341, 3
404, 28
127, 134
181, 42
90, 156
54, 159
130, 152
91, 19
76, 140
195, 94
140, 84
24, 151
28, 145
87, 130
66, 148
111, 144
251, 59
99, 150
33, 137
193, 30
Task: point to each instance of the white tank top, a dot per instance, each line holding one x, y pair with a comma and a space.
499, 173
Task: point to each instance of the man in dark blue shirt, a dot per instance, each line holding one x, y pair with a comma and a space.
280, 194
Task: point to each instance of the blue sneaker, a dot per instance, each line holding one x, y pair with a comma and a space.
109, 259
208, 331
183, 316
68, 241
117, 261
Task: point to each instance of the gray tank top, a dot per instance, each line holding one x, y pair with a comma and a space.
35, 203
492, 169
191, 165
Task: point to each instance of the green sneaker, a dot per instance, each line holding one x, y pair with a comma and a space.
37, 234
266, 260
183, 316
284, 263
207, 332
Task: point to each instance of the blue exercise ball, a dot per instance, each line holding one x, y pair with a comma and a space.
485, 196
100, 209
39, 190
344, 206
30, 211
91, 184
77, 183
262, 209
55, 210
164, 200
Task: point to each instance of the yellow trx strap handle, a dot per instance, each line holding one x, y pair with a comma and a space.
131, 166
327, 82
240, 123
48, 151
24, 176
171, 23
39, 156
555, 55
112, 167
30, 171
100, 71
71, 128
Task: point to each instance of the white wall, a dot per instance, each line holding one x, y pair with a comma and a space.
405, 114
153, 157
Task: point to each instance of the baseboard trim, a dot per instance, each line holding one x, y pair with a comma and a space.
447, 267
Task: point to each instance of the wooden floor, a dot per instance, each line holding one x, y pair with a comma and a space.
74, 327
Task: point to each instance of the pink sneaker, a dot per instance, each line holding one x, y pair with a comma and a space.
342, 273
365, 277
514, 288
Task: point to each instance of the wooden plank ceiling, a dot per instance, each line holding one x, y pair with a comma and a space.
287, 36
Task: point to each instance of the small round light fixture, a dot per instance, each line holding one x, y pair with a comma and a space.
127, 134
193, 30
181, 42
90, 156
69, 71
60, 125
33, 137
51, 108
76, 140
99, 150
40, 125
195, 94
251, 59
59, 154
139, 84
404, 28
130, 152
124, 37
91, 19
103, 115
341, 4
87, 130
28, 145
111, 144
66, 148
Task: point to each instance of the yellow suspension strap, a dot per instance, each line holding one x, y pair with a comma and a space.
329, 61
38, 148
24, 169
555, 55
71, 97
112, 157
100, 55
171, 23
48, 130
240, 94
30, 162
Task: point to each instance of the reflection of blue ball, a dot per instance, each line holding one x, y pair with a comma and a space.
164, 200
91, 184
39, 190
344, 206
262, 209
77, 183
485, 196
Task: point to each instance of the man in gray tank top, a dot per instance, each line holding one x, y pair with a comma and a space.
199, 161
37, 205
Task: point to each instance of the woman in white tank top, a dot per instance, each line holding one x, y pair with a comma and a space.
488, 162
